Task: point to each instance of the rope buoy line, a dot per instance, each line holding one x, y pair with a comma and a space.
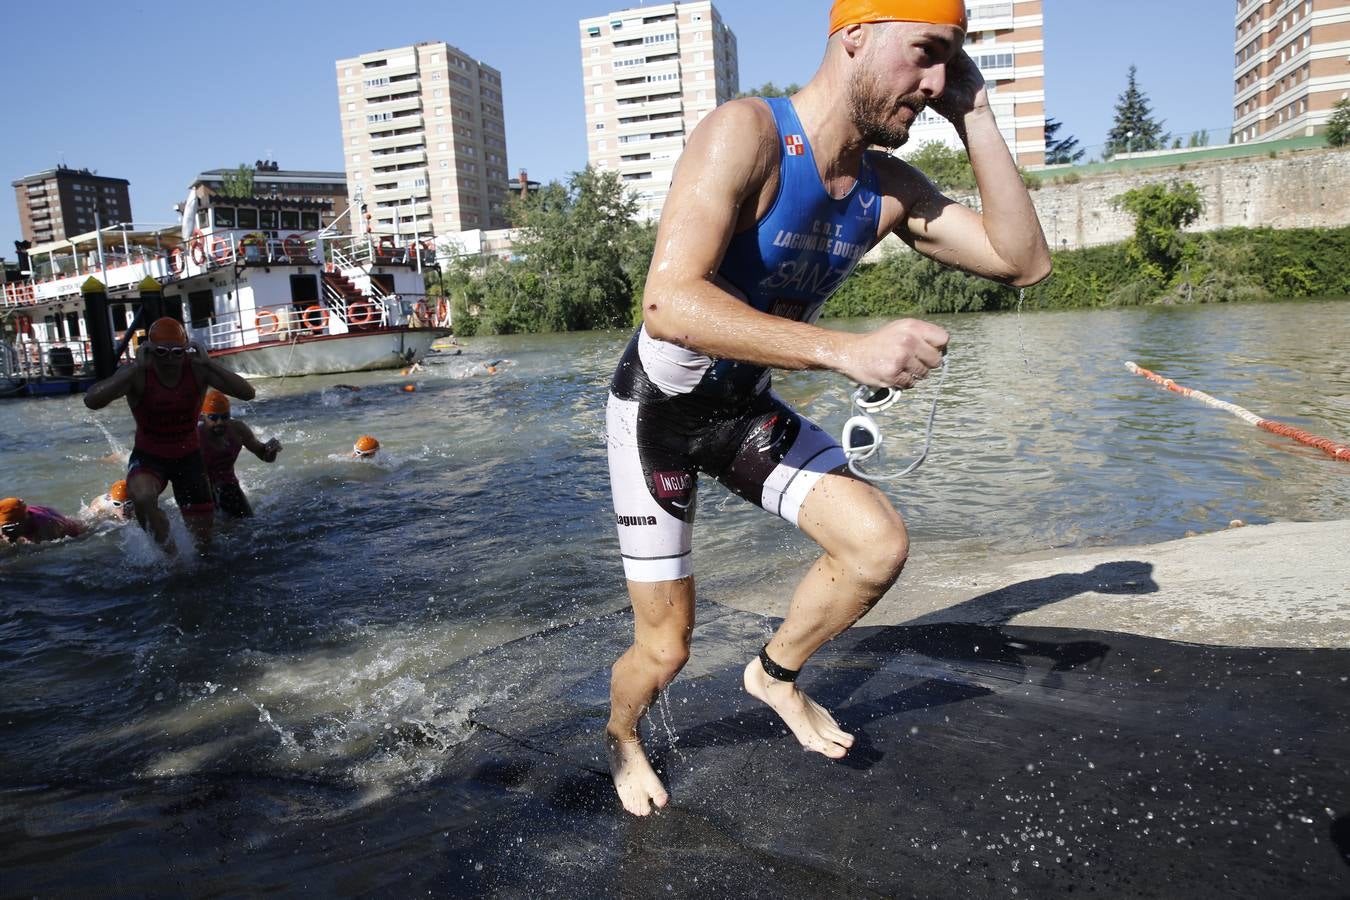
1329, 447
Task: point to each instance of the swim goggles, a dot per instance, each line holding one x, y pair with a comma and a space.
861, 437
118, 504
216, 417
12, 529
175, 352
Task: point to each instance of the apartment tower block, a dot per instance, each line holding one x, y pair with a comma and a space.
1291, 65
651, 74
1007, 41
60, 203
424, 140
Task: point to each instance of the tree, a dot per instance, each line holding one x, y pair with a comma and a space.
1199, 138
1134, 129
769, 89
1338, 126
1060, 151
581, 260
238, 184
1160, 212
946, 167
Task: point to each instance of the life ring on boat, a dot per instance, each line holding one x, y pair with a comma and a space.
442, 312
386, 246
307, 319
255, 238
176, 261
24, 325
420, 310
293, 245
220, 250
198, 246
361, 313
429, 245
274, 322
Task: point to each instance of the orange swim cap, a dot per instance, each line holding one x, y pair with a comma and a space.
12, 510
167, 331
118, 491
934, 12
365, 445
215, 402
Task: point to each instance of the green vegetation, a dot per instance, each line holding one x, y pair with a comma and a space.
769, 89
238, 184
1060, 151
1338, 127
579, 262
1216, 267
1160, 213
1134, 130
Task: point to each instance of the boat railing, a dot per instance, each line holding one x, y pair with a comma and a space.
30, 359
287, 322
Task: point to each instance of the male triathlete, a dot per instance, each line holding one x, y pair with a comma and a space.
164, 389
222, 437
22, 523
772, 204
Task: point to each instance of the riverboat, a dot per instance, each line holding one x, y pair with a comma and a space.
258, 282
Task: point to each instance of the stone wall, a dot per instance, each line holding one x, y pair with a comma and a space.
1303, 189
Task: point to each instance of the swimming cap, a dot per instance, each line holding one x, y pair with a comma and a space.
215, 402
934, 12
12, 510
365, 445
168, 331
118, 491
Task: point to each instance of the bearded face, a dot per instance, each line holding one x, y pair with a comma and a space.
882, 120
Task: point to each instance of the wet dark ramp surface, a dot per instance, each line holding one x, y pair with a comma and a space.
991, 761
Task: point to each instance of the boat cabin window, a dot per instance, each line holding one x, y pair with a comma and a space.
290, 220
267, 219
73, 325
309, 221
120, 318
201, 218
201, 305
304, 289
224, 216
248, 218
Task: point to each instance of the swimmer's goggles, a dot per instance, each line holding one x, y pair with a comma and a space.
118, 504
175, 352
216, 417
13, 529
861, 438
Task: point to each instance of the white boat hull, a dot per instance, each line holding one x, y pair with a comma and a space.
387, 348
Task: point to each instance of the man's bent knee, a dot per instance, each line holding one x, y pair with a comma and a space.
664, 656
878, 560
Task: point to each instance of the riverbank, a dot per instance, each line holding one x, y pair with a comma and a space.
1277, 585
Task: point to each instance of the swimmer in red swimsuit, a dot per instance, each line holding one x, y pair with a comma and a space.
222, 438
164, 389
21, 523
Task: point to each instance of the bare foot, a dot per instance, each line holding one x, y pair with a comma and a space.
814, 727
639, 788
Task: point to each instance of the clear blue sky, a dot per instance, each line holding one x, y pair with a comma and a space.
157, 93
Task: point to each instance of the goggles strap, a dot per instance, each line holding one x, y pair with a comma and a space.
927, 441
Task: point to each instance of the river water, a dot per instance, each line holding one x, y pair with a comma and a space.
310, 643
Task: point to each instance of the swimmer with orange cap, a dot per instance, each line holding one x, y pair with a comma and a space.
772, 205
23, 523
222, 438
116, 505
365, 447
164, 389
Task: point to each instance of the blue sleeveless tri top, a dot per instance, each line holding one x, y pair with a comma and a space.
788, 265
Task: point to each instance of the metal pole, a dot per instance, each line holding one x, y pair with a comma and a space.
98, 237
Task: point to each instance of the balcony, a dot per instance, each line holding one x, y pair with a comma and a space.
398, 104
418, 156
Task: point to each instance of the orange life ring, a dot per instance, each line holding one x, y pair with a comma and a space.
293, 245
272, 317
198, 246
256, 239
442, 312
429, 245
220, 249
360, 313
386, 246
420, 310
306, 319
176, 261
